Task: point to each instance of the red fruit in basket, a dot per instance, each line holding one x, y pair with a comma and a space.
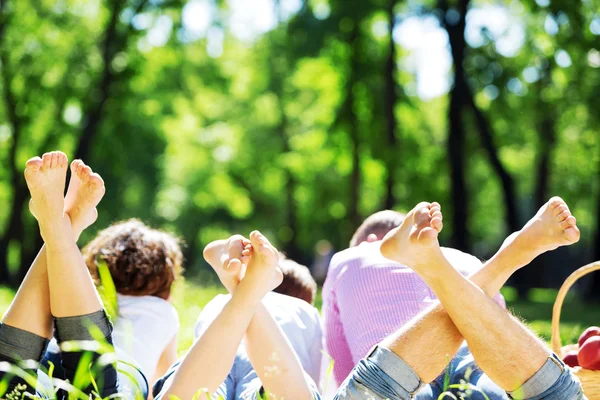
589, 354
571, 359
588, 333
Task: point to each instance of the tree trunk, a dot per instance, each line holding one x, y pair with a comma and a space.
111, 45
14, 229
277, 81
456, 134
391, 99
506, 180
353, 213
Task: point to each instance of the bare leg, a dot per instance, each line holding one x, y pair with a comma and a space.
68, 276
433, 331
30, 309
505, 349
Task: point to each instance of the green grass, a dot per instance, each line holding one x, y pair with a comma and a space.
189, 297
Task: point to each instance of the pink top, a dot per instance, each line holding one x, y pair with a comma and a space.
366, 297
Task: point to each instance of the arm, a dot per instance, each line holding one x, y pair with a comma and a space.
167, 358
267, 346
208, 362
274, 359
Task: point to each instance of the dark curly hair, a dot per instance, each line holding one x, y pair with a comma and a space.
297, 280
142, 261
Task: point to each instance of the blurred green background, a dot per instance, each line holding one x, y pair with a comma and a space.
302, 117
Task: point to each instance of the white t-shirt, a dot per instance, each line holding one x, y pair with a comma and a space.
300, 322
144, 328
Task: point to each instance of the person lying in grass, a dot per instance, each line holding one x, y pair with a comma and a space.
58, 296
290, 304
143, 264
505, 359
216, 365
366, 296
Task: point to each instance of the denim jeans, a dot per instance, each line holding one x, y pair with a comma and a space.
384, 375
17, 345
242, 382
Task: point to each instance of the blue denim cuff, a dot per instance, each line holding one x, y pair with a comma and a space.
396, 368
542, 380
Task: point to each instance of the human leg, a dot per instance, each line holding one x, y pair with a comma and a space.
486, 327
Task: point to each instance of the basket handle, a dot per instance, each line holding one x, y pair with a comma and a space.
560, 298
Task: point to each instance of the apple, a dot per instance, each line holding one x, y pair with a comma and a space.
571, 359
589, 354
588, 333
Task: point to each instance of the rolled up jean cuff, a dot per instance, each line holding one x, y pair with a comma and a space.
542, 380
18, 344
396, 368
80, 327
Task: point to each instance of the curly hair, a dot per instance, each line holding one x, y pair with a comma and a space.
297, 280
142, 261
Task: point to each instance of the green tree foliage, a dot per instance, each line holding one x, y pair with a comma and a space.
303, 128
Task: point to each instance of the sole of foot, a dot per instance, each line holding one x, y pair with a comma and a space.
45, 177
263, 260
552, 226
411, 243
85, 191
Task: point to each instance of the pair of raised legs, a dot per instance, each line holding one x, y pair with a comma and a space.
58, 297
217, 363
507, 355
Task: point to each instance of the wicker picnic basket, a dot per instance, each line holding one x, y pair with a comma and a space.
589, 379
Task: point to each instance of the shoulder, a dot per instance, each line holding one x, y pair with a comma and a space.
147, 305
278, 303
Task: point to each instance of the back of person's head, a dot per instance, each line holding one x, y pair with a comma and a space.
297, 281
142, 261
376, 226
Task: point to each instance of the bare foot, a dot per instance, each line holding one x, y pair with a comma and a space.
263, 267
225, 257
46, 178
86, 189
553, 226
415, 240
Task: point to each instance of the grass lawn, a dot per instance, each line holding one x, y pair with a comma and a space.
190, 297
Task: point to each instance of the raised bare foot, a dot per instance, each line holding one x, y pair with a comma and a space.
553, 226
86, 189
46, 178
416, 239
263, 269
225, 257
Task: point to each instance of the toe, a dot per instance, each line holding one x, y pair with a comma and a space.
47, 160
555, 202
560, 209
34, 163
563, 215
62, 159
568, 223
54, 159
75, 165
422, 216
96, 180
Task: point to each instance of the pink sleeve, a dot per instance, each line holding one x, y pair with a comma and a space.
500, 300
336, 345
